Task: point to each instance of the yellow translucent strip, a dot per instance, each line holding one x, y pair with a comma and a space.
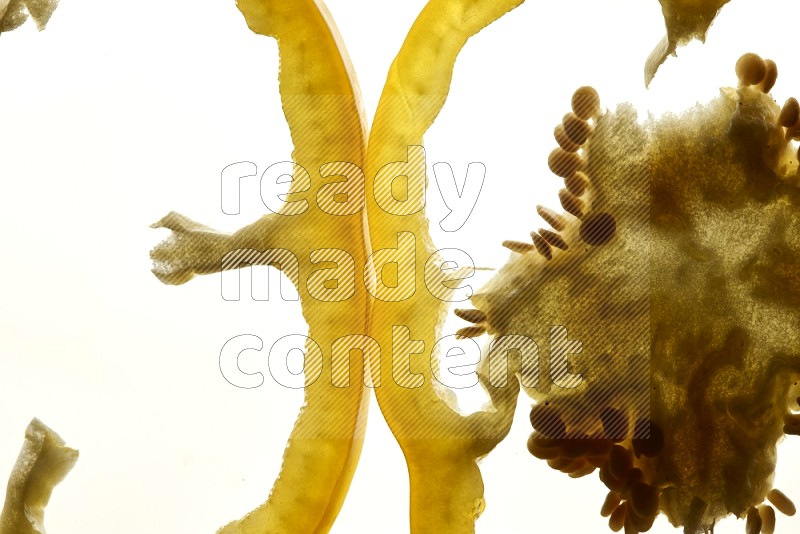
440, 446
322, 109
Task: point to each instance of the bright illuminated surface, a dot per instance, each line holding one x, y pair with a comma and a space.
117, 114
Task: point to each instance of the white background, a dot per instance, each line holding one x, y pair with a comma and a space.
122, 111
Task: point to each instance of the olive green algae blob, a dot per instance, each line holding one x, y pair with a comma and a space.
688, 297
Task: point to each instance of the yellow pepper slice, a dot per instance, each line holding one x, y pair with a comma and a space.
323, 110
43, 462
440, 445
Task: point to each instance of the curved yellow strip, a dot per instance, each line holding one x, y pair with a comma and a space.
440, 445
323, 111
322, 226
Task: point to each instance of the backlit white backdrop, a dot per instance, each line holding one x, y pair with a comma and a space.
122, 111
